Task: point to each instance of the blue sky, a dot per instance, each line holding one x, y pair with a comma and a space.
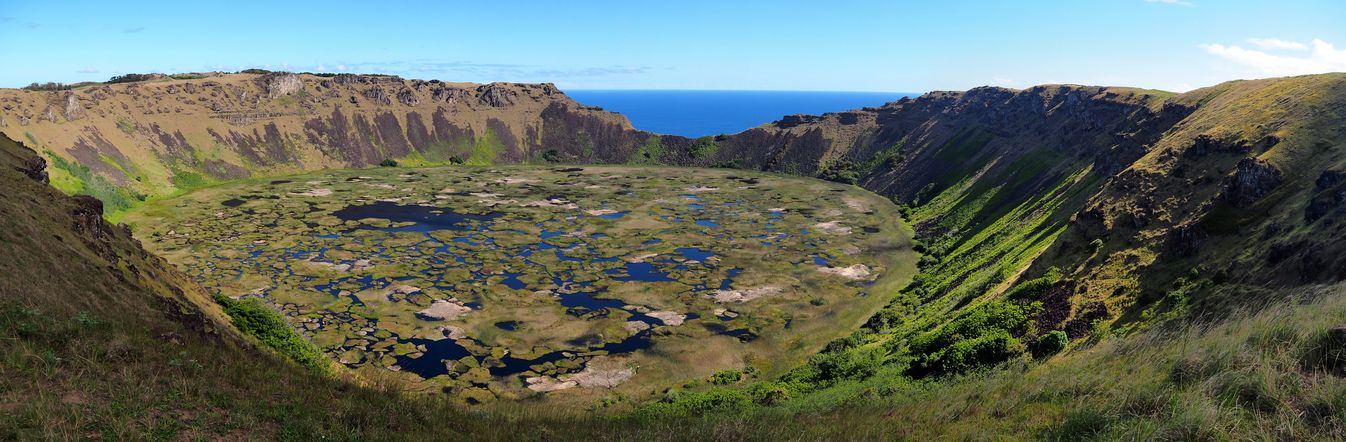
883, 45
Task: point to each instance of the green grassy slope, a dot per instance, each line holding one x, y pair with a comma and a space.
1033, 245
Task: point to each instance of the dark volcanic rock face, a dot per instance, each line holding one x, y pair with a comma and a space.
1252, 179
495, 96
1331, 194
589, 137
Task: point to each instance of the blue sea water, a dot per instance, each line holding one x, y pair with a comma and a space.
699, 113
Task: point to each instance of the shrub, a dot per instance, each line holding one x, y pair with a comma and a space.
48, 86
702, 147
885, 319
695, 404
984, 336
130, 78
839, 171
769, 393
551, 156
967, 354
1051, 343
846, 342
725, 377
455, 160
261, 322
853, 364
388, 163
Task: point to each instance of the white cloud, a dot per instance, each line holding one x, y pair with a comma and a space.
87, 71
1324, 57
1171, 2
1276, 43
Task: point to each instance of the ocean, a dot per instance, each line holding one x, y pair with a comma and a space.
699, 113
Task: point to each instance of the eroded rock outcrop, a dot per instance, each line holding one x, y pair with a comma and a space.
1330, 195
279, 84
73, 110
1252, 180
495, 95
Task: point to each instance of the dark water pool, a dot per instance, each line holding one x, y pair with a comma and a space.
426, 218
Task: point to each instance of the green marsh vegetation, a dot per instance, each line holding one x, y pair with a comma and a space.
612, 283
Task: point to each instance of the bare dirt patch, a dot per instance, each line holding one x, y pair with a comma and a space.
856, 271
725, 296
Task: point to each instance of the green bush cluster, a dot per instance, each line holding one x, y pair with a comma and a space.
725, 377
826, 368
261, 322
130, 78
985, 336
1051, 343
839, 171
48, 86
702, 148
696, 403
649, 152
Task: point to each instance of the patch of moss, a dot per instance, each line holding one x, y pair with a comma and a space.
485, 150
649, 152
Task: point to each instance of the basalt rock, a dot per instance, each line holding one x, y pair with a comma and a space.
790, 121
1329, 179
35, 168
378, 95
1183, 240
407, 97
88, 221
1206, 144
496, 96
1331, 195
73, 110
448, 95
279, 84
1252, 180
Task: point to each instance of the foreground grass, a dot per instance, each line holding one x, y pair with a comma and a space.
1270, 375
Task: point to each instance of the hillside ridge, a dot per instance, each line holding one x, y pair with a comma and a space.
157, 136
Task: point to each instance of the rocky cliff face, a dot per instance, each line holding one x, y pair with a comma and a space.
154, 136
1134, 195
